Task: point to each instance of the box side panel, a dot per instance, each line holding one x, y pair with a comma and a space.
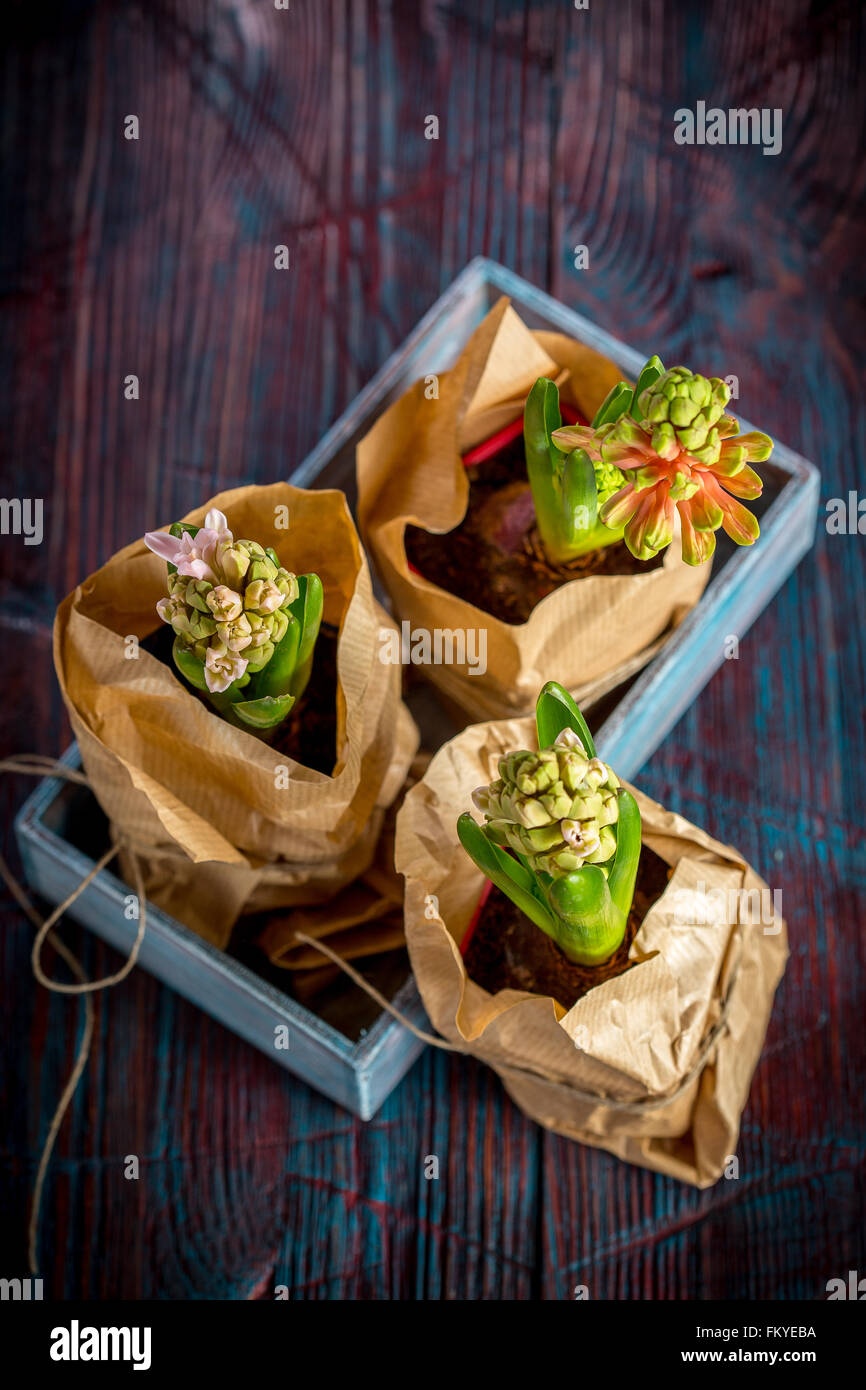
222, 988
390, 1051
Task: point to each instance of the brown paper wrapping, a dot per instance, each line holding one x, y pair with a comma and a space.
362, 920
196, 798
637, 1035
410, 472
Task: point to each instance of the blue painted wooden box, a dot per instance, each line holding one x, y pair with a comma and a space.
358, 1067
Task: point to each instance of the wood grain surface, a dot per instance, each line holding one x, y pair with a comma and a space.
155, 257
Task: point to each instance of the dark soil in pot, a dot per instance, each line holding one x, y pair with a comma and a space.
309, 735
494, 558
507, 951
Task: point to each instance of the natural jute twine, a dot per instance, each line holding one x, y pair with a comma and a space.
34, 765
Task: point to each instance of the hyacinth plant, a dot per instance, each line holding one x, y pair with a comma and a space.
245, 628
561, 837
662, 447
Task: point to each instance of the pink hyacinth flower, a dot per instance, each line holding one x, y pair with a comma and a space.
193, 556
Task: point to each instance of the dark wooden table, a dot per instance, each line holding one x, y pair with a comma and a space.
155, 257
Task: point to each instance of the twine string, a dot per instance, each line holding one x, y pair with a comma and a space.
79, 1065
632, 1107
35, 765
374, 994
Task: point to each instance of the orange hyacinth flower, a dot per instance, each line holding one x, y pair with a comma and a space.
704, 493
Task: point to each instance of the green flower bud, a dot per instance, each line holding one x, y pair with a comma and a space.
664, 441
682, 488
555, 807
287, 584
684, 409
200, 626
196, 594
174, 610
257, 657
234, 561
608, 479
280, 627
261, 568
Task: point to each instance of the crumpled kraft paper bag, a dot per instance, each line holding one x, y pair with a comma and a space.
410, 471
364, 918
637, 1035
196, 798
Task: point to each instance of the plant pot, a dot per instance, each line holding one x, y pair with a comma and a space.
223, 823
588, 631
654, 1062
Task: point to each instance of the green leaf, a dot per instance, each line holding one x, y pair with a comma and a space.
652, 369
263, 713
555, 710
308, 608
541, 416
623, 875
564, 488
189, 665
579, 492
615, 404
275, 679
503, 871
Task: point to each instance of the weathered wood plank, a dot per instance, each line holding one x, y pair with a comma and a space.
155, 257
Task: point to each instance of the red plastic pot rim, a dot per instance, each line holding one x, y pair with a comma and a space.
490, 447
476, 916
